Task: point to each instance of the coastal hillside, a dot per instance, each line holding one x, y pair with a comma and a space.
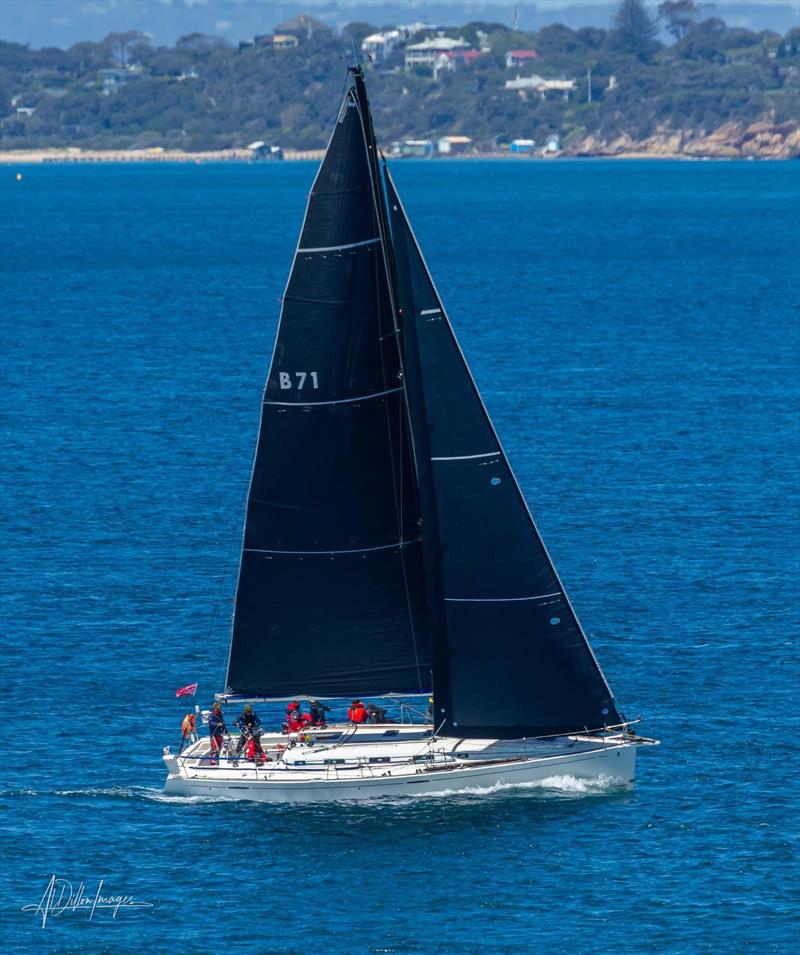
617, 88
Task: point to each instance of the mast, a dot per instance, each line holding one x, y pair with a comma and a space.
415, 404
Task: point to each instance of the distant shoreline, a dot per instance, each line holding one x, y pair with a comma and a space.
122, 156
73, 155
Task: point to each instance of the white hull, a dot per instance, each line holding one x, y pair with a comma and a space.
290, 782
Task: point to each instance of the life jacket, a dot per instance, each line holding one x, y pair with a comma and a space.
252, 753
357, 714
295, 722
188, 725
216, 723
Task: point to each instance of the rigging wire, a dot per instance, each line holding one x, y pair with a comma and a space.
366, 125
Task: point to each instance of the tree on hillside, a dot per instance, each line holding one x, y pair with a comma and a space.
201, 43
680, 16
356, 31
557, 38
790, 45
635, 30
705, 41
126, 48
593, 37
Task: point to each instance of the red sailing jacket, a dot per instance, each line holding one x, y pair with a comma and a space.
357, 714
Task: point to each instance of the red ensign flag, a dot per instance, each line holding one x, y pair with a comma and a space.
189, 690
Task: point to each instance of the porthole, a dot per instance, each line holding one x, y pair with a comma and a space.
494, 481
554, 621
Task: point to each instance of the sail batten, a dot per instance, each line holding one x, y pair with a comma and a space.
341, 248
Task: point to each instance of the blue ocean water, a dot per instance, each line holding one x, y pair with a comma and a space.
633, 328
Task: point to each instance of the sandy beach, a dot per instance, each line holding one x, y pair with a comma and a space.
73, 154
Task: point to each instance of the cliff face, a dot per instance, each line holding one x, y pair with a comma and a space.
763, 140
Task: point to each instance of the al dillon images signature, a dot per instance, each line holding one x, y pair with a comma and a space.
62, 897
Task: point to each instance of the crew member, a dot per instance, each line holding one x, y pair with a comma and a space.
376, 714
357, 712
217, 730
188, 734
317, 713
250, 729
296, 721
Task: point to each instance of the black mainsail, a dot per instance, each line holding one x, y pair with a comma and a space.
386, 532
331, 599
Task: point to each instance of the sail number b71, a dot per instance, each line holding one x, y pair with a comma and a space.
297, 380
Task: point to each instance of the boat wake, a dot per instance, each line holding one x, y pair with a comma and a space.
553, 787
144, 793
556, 786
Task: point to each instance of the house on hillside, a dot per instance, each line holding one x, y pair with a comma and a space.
302, 27
409, 29
450, 59
380, 45
284, 41
279, 41
541, 86
423, 55
517, 58
114, 77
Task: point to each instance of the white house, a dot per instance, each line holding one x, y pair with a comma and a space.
424, 54
380, 45
450, 59
541, 86
519, 58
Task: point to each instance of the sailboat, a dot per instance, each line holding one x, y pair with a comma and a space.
388, 550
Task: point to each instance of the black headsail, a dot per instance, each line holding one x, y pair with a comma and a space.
511, 659
331, 599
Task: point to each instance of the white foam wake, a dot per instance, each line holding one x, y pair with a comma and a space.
559, 785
